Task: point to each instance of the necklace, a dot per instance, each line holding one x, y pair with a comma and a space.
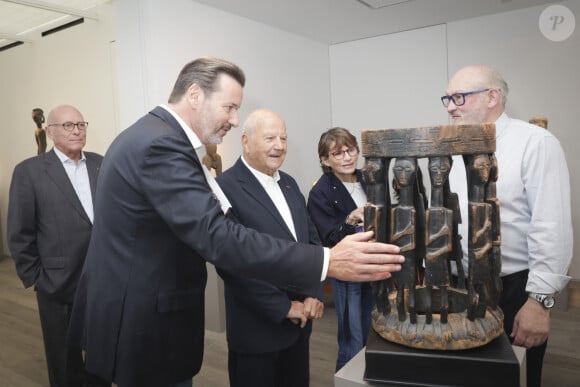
350, 186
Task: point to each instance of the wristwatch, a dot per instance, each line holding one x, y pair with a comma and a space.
546, 300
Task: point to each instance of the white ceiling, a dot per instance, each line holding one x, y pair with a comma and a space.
25, 20
337, 21
327, 21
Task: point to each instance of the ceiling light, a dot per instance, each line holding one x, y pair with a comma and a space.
375, 4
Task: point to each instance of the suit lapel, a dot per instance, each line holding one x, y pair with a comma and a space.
93, 171
294, 200
166, 117
55, 170
252, 186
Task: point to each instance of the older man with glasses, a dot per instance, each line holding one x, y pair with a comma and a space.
50, 220
534, 192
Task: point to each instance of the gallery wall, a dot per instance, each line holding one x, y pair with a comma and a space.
285, 72
387, 81
396, 80
74, 66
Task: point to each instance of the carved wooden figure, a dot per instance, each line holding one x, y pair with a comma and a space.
438, 238
39, 132
491, 198
480, 236
375, 214
403, 220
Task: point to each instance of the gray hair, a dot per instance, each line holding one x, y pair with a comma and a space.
204, 72
496, 81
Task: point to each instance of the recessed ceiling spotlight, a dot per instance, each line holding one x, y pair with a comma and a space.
375, 4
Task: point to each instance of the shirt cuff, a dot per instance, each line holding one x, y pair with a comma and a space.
546, 283
325, 264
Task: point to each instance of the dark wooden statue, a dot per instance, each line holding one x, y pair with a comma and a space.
403, 234
375, 175
431, 311
491, 198
480, 248
541, 121
212, 160
439, 238
39, 132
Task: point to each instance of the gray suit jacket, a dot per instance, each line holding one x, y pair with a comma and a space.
139, 308
48, 229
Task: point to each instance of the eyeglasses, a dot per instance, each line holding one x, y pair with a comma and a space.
352, 151
459, 98
69, 126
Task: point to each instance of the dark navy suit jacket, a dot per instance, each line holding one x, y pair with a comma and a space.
256, 310
139, 307
329, 203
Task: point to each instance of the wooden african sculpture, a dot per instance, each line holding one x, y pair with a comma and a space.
431, 303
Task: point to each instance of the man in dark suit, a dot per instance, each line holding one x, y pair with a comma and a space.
268, 328
159, 215
50, 214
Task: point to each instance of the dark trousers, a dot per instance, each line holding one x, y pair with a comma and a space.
65, 364
513, 297
286, 368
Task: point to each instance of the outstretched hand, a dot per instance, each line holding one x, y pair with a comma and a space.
355, 259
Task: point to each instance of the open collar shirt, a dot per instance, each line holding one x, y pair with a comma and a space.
533, 188
79, 178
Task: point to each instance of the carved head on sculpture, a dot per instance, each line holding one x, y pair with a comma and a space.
38, 117
404, 171
478, 169
439, 168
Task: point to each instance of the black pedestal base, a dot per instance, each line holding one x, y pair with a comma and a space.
494, 364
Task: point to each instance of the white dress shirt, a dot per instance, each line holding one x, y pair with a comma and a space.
79, 178
534, 192
270, 185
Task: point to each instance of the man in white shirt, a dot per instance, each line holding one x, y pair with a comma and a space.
268, 328
534, 192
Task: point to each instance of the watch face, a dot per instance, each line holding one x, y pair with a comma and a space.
549, 302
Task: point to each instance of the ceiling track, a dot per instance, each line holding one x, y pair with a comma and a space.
55, 8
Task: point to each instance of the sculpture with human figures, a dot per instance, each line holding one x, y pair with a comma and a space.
431, 303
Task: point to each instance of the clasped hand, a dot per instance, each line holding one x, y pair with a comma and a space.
301, 312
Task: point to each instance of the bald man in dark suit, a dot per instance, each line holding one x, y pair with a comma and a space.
268, 328
50, 215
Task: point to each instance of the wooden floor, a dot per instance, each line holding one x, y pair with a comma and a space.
22, 362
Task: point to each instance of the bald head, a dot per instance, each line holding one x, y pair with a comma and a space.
485, 95
69, 141
264, 141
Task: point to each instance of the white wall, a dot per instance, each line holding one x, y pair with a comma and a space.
542, 76
284, 72
396, 80
388, 81
73, 66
